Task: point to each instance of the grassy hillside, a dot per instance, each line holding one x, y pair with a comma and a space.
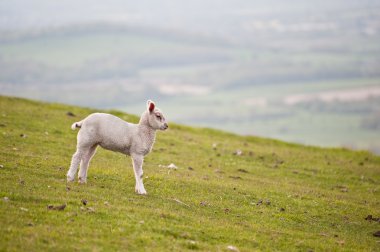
275, 196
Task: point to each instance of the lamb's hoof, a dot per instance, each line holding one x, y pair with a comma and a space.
82, 181
70, 179
140, 191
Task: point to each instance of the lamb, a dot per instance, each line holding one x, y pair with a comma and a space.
112, 133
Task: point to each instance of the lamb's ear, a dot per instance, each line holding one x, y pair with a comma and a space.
150, 105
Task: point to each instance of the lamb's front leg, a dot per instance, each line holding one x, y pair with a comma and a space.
137, 167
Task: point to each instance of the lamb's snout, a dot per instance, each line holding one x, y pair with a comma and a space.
166, 126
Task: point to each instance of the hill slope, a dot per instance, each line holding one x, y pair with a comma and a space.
275, 196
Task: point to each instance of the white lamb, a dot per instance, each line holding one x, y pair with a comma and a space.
112, 133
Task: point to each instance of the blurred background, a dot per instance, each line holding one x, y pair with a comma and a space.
295, 70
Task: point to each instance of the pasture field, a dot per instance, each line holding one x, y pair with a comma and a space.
274, 196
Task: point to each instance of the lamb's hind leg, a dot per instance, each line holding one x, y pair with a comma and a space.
75, 161
82, 175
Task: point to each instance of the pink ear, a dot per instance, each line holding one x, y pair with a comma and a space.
151, 106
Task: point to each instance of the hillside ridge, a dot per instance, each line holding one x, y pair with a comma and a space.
229, 191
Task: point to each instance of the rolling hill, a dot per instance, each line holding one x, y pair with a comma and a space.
229, 192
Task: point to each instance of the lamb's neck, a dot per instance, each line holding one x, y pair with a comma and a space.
147, 133
146, 130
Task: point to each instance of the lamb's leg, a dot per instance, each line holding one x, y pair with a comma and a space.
82, 175
75, 161
137, 167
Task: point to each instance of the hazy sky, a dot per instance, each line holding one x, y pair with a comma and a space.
196, 14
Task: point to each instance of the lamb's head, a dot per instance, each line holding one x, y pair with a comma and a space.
155, 117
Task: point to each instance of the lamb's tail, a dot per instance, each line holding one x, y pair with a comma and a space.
76, 125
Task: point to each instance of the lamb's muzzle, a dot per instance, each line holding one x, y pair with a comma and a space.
112, 133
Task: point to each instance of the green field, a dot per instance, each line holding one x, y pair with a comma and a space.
276, 196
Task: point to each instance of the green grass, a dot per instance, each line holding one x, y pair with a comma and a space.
318, 197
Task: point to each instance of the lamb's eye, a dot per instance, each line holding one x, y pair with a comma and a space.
158, 117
